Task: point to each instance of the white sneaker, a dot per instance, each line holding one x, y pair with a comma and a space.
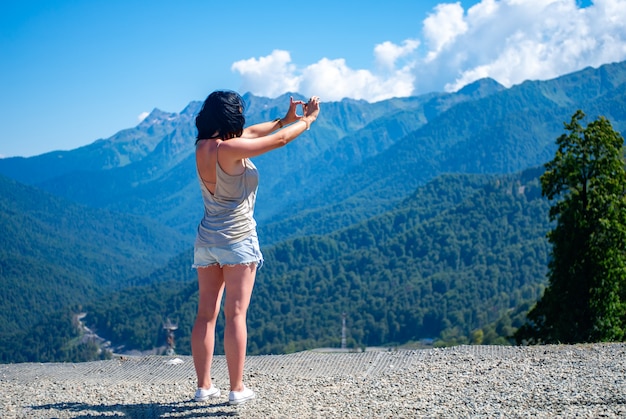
240, 397
204, 394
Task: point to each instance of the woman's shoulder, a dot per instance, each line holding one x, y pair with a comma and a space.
207, 144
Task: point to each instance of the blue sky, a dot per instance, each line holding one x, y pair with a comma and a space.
77, 71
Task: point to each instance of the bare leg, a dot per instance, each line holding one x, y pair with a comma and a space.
239, 280
210, 289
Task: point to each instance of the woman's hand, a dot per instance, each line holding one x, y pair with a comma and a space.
311, 110
292, 112
264, 137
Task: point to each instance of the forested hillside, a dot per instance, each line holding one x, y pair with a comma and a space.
459, 254
54, 253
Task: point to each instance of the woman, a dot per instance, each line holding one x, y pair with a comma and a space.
226, 250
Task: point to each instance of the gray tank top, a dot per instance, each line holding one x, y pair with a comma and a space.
229, 213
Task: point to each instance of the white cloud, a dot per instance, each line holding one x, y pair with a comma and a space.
387, 54
268, 76
507, 40
337, 81
142, 116
442, 27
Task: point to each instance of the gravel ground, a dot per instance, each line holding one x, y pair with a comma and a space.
584, 381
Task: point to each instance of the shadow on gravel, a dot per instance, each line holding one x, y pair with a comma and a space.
188, 409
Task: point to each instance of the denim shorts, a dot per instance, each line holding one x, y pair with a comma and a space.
241, 253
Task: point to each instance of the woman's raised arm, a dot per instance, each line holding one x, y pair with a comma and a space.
264, 128
253, 143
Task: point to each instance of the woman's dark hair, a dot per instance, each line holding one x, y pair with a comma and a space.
221, 116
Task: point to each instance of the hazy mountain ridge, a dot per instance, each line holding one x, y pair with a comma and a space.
125, 147
169, 141
503, 132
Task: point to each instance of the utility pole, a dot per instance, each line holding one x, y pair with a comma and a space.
170, 327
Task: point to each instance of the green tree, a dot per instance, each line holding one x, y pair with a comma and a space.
585, 300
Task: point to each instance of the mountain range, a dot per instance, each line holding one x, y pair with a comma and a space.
121, 212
